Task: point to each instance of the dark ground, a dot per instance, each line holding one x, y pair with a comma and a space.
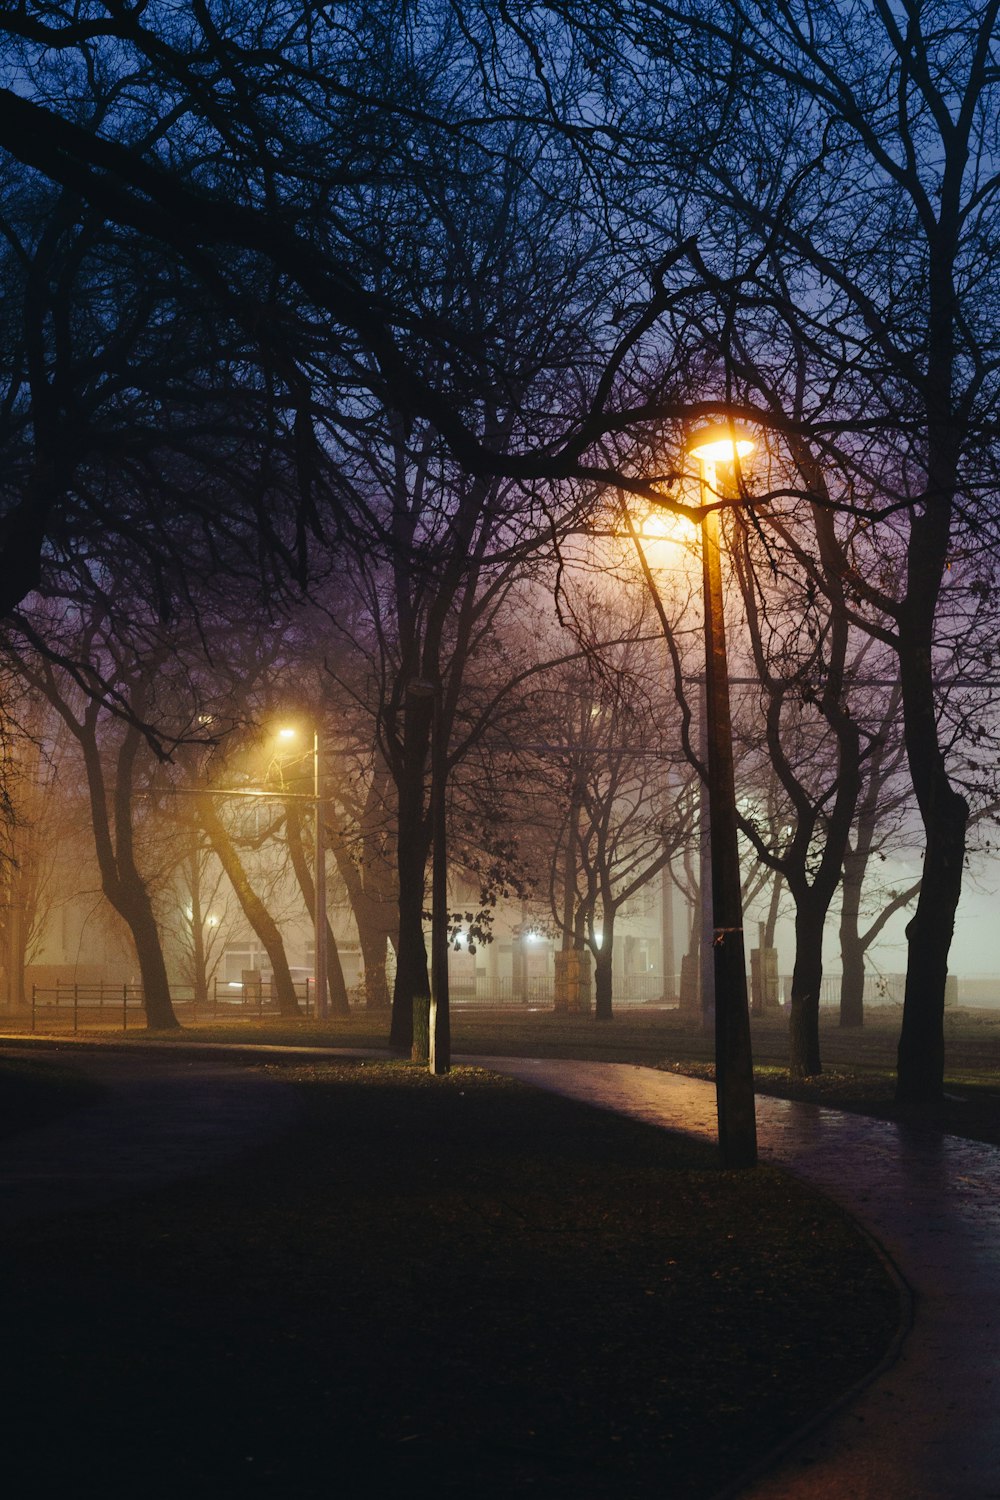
457, 1286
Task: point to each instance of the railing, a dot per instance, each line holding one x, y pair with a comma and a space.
73, 1004
254, 998
538, 992
880, 989
75, 1007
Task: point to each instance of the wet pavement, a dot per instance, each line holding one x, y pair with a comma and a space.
927, 1427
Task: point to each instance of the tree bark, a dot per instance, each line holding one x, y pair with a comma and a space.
373, 935
412, 977
133, 903
374, 943
773, 907
603, 982
336, 985
920, 1058
852, 953
254, 910
121, 881
199, 975
807, 979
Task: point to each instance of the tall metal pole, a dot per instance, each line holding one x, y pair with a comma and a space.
319, 916
733, 1060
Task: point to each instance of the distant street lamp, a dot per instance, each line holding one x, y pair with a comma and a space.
319, 892
714, 447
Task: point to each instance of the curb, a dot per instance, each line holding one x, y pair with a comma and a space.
807, 1429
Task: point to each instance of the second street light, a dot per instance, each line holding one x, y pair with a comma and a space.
723, 957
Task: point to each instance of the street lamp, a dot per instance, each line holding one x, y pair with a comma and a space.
319, 892
712, 448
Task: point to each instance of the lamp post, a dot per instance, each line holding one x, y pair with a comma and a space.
733, 1060
319, 880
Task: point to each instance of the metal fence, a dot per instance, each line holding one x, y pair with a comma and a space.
880, 989
72, 1006
538, 992
75, 1007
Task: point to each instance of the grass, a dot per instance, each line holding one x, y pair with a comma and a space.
454, 1286
859, 1066
859, 1072
34, 1091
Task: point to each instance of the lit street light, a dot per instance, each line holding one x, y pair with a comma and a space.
713, 447
319, 894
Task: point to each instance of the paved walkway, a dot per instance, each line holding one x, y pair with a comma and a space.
927, 1428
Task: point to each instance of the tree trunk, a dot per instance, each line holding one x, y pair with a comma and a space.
374, 945
852, 953
667, 951
412, 977
602, 971
336, 985
121, 881
373, 936
254, 910
920, 1059
134, 905
807, 979
199, 967
773, 907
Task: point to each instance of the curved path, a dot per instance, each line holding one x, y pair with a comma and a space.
928, 1427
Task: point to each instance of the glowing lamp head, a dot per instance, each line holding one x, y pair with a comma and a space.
287, 732
722, 444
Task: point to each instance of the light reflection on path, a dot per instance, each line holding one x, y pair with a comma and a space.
929, 1427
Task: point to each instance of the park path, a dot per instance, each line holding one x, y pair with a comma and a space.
164, 1115
927, 1427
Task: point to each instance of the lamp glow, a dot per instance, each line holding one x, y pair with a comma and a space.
723, 444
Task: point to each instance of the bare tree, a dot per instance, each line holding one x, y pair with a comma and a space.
863, 168
112, 749
255, 909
